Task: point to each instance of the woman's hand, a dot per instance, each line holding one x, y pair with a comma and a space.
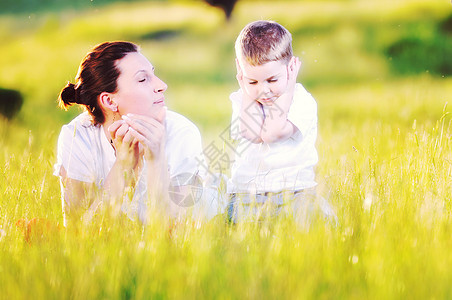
149, 132
126, 146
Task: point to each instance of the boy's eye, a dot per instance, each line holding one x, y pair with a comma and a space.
273, 80
252, 82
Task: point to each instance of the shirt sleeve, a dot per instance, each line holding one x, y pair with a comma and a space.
236, 101
74, 154
184, 153
303, 113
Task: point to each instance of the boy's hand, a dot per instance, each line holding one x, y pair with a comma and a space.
292, 72
276, 127
251, 112
285, 100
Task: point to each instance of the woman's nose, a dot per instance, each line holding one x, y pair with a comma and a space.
160, 86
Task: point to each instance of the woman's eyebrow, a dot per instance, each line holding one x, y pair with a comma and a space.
144, 71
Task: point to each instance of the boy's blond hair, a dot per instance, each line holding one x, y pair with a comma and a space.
264, 41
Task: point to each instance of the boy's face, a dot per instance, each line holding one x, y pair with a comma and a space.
264, 83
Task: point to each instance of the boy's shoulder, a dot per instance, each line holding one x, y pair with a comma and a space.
303, 103
236, 96
301, 93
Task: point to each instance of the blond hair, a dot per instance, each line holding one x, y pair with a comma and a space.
260, 42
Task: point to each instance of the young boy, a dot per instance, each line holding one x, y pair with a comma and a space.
274, 120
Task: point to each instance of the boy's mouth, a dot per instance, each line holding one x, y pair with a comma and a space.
267, 101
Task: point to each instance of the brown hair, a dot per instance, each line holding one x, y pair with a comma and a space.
260, 42
97, 73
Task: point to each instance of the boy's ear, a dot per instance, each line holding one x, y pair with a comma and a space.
237, 65
106, 101
291, 64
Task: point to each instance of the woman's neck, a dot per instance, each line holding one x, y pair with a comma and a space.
108, 121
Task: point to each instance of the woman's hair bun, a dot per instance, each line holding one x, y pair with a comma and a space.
69, 95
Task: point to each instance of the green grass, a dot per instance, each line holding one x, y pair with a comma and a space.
384, 143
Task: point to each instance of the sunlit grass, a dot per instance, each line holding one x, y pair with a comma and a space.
384, 143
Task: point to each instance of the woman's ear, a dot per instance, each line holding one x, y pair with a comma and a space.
106, 102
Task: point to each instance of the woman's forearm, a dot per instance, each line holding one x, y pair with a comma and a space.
119, 181
158, 185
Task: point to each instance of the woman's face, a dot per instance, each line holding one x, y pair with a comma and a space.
140, 91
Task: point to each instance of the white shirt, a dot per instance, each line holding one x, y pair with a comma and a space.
284, 165
86, 154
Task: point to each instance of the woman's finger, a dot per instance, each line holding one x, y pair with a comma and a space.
121, 132
128, 138
114, 127
145, 126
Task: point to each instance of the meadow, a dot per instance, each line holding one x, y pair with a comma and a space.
384, 144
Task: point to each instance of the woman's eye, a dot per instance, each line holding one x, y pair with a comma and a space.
142, 80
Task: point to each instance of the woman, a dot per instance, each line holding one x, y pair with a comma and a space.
126, 151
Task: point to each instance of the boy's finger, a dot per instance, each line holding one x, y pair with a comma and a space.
237, 65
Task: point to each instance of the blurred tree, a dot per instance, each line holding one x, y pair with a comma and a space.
10, 102
413, 54
226, 5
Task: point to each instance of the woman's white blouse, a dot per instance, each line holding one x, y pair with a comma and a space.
86, 154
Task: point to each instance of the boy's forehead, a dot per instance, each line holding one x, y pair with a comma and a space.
266, 70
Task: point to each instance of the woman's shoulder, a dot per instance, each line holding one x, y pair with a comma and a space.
80, 127
176, 122
83, 120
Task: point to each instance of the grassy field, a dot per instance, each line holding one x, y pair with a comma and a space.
384, 144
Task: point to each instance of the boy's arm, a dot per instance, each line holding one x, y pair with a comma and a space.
251, 120
251, 114
276, 126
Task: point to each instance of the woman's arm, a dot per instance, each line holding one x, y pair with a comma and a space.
150, 132
78, 197
82, 199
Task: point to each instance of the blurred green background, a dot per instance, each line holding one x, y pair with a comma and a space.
354, 54
381, 74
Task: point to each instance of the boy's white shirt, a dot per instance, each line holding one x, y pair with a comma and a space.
87, 156
285, 165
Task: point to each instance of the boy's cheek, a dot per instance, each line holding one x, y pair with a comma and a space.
249, 92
